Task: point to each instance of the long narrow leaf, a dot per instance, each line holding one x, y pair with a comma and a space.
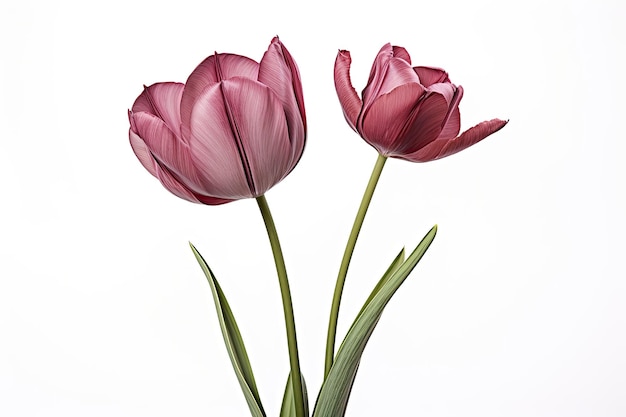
233, 340
333, 397
397, 262
288, 408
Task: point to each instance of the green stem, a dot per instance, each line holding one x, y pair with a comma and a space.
345, 262
290, 324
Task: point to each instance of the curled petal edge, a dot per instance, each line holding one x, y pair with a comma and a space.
441, 148
350, 101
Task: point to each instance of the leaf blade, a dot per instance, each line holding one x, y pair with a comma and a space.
288, 407
393, 267
335, 392
233, 340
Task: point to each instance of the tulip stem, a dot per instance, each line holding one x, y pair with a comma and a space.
290, 324
345, 262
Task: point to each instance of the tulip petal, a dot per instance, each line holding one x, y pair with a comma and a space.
423, 126
398, 72
400, 52
348, 98
212, 201
447, 90
442, 147
162, 174
376, 74
387, 74
264, 134
384, 122
279, 72
163, 101
180, 190
431, 75
211, 71
143, 153
452, 122
168, 149
238, 139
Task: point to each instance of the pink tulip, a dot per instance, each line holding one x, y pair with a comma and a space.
406, 112
233, 131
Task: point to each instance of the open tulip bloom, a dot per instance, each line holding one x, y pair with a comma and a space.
237, 127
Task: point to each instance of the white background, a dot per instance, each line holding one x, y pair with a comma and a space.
518, 308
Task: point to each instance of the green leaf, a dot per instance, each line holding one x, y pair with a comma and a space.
288, 408
232, 339
397, 262
333, 397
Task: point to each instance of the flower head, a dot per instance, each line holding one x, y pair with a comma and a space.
406, 112
233, 130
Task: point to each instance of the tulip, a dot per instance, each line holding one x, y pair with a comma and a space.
232, 131
410, 113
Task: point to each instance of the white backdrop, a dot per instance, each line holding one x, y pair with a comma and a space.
518, 308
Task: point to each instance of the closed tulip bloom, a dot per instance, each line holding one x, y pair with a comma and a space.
407, 112
233, 130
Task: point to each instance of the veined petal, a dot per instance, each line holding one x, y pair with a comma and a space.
471, 136
377, 74
348, 98
163, 101
212, 201
262, 131
167, 148
424, 125
445, 89
391, 72
213, 147
452, 122
143, 153
384, 122
431, 75
162, 174
297, 144
175, 186
180, 190
452, 125
398, 72
279, 72
210, 71
239, 140
442, 147
400, 52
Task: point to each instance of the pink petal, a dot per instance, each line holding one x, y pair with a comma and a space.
377, 74
263, 134
398, 72
168, 149
442, 147
383, 123
452, 122
431, 75
348, 98
452, 125
400, 52
424, 124
239, 139
143, 153
147, 160
175, 187
212, 201
163, 101
390, 73
279, 72
210, 71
